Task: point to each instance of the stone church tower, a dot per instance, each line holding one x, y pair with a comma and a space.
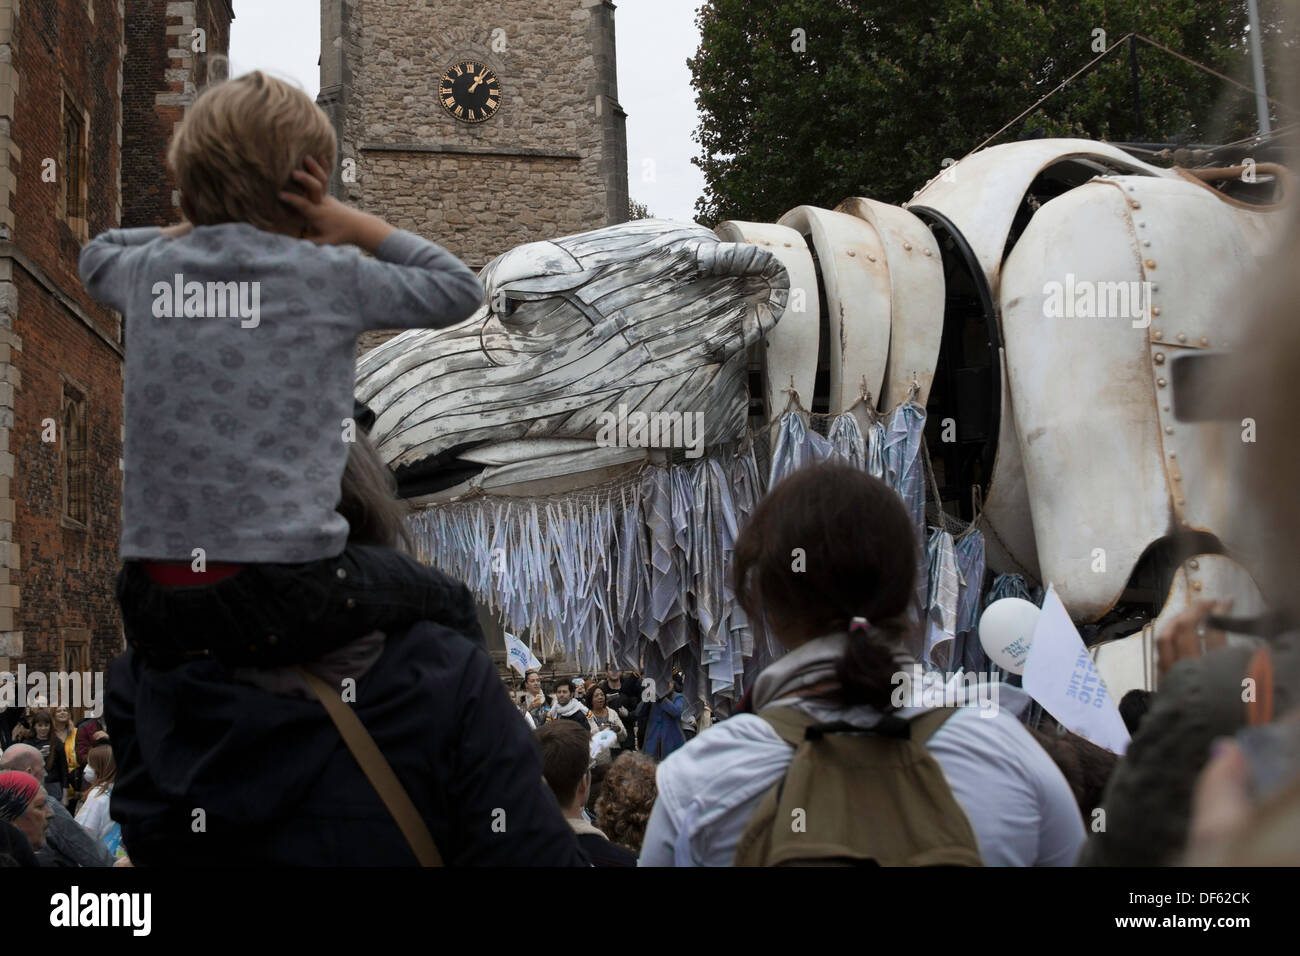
480, 126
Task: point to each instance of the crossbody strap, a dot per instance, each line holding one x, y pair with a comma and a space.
377, 770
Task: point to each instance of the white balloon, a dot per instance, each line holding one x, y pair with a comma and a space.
1007, 630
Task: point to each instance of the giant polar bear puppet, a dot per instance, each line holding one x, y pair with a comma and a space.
1032, 299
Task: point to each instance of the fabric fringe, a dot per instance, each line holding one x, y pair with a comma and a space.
639, 571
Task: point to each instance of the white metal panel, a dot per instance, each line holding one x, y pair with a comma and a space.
1082, 390
916, 292
855, 276
790, 352
1200, 256
1006, 520
981, 194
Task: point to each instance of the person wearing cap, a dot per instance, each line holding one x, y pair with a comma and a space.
66, 843
24, 804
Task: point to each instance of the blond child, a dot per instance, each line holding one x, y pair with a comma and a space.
241, 328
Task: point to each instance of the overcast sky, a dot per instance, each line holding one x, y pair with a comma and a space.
654, 39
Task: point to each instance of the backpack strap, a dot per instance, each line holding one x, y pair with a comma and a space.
377, 770
794, 726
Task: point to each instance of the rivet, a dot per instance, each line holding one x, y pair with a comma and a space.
871, 258
852, 253
1160, 382
341, 573
1173, 454
1165, 407
1193, 564
1169, 429
1160, 358
1151, 263
1157, 334
1182, 337
1204, 340
907, 246
787, 245
1196, 585
1135, 204
1155, 310
1142, 224
1154, 287
1146, 242
1129, 188
928, 252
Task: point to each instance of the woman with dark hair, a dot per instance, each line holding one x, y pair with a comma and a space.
538, 705
828, 564
605, 718
51, 746
203, 733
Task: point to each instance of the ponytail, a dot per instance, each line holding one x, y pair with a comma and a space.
866, 673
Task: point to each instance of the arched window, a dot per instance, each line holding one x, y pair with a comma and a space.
75, 487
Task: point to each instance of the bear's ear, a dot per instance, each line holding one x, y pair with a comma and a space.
764, 282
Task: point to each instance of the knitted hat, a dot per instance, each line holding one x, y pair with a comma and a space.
17, 791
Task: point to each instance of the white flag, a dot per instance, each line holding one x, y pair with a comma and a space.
1060, 675
518, 654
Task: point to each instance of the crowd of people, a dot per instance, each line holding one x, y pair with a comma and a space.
310, 630
622, 703
56, 784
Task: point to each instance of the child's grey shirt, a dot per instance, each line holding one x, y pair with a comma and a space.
236, 396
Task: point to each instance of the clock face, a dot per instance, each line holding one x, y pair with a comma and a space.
470, 92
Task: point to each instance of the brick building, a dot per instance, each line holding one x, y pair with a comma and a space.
89, 91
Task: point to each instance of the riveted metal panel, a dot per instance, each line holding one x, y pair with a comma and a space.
1082, 390
981, 194
1199, 256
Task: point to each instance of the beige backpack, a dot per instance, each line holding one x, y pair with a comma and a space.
858, 798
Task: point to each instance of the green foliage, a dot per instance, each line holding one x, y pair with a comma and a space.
637, 210
886, 89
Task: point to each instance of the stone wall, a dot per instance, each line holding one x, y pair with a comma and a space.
547, 164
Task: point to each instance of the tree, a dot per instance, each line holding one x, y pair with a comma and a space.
637, 210
811, 101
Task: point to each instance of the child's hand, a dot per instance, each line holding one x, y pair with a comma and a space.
178, 230
330, 222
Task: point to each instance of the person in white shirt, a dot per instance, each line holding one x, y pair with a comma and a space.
94, 817
859, 566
